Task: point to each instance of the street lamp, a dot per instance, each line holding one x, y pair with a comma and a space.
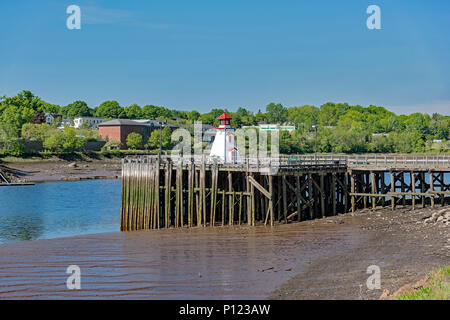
315, 148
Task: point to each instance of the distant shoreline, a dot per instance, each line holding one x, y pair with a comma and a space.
52, 170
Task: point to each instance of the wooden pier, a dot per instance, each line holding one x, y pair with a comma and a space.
161, 192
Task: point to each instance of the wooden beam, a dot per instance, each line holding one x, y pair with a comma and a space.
260, 188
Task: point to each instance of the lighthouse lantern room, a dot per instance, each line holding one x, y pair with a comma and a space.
224, 146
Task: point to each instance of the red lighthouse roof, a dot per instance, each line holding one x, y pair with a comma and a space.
224, 116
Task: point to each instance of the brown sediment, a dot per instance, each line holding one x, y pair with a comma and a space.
196, 263
402, 243
63, 170
320, 259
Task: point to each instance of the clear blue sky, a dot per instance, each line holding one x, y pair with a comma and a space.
236, 53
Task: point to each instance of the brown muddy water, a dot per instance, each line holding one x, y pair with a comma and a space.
199, 263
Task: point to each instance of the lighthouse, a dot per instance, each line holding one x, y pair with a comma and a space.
224, 146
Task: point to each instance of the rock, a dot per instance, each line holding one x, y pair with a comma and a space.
421, 283
73, 165
405, 289
385, 295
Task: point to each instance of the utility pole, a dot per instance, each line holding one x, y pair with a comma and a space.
315, 148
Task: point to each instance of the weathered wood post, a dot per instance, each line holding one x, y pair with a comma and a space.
413, 190
430, 173
352, 188
392, 190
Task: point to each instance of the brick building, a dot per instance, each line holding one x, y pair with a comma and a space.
119, 129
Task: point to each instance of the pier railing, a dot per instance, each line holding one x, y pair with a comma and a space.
291, 161
248, 164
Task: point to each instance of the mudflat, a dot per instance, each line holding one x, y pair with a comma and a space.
320, 259
63, 170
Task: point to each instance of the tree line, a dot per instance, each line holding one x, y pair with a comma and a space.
341, 127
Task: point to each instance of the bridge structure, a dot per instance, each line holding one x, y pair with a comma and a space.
164, 192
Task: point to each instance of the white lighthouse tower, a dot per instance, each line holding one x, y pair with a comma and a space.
224, 146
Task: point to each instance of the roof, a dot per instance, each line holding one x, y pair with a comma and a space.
224, 116
120, 122
143, 123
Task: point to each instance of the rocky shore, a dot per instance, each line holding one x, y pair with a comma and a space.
62, 170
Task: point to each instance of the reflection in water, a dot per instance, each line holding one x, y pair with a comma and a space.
20, 228
59, 209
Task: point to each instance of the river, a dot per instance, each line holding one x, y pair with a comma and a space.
59, 209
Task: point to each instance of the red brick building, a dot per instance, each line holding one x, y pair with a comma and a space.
119, 129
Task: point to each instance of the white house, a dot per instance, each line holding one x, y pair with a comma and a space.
65, 122
92, 122
51, 118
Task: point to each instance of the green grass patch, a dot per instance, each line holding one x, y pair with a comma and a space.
437, 288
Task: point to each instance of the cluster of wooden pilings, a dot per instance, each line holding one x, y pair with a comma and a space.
372, 187
160, 193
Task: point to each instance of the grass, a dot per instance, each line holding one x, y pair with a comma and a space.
437, 288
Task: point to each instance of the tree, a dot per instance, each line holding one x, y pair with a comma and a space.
260, 117
110, 109
37, 132
303, 117
166, 137
276, 113
133, 112
193, 115
67, 141
13, 118
77, 109
134, 140
24, 99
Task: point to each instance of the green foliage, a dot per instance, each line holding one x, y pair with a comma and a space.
341, 127
111, 145
194, 115
166, 139
133, 112
437, 288
37, 132
134, 140
14, 148
77, 109
67, 141
155, 112
110, 109
276, 113
12, 119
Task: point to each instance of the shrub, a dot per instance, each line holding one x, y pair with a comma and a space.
66, 141
134, 140
13, 148
111, 145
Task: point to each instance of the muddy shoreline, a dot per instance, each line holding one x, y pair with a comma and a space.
400, 242
320, 259
63, 170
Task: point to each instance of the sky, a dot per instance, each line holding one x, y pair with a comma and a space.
207, 54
